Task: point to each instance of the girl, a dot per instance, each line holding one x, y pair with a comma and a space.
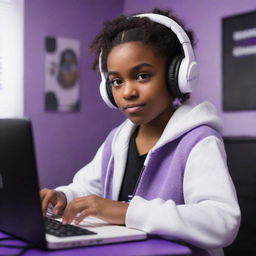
164, 169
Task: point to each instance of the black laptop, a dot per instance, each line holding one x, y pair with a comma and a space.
20, 207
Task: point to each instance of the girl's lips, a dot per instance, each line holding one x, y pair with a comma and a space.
133, 108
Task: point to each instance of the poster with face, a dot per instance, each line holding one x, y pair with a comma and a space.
62, 74
239, 62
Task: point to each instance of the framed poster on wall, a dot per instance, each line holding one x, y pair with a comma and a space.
62, 87
239, 62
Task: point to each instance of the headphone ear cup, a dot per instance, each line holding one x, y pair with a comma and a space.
173, 76
109, 93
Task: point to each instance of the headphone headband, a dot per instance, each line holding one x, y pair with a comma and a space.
169, 23
176, 29
186, 69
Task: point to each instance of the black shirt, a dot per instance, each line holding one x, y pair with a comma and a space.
134, 165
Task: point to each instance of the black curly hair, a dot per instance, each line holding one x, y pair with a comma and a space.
130, 29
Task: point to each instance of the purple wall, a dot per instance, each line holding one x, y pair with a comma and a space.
65, 141
204, 17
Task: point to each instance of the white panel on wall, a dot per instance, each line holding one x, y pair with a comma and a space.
11, 57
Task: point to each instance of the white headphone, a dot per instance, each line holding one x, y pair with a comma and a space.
183, 70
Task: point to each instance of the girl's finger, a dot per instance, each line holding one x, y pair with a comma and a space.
58, 208
72, 209
81, 216
48, 198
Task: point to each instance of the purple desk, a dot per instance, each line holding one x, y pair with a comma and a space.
150, 247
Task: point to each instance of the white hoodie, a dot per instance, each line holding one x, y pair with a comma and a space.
210, 217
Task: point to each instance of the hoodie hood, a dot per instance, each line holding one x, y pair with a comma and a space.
184, 119
188, 117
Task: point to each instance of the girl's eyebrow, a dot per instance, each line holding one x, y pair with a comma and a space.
113, 73
140, 66
135, 68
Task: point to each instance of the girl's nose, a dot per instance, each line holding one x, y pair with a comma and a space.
130, 91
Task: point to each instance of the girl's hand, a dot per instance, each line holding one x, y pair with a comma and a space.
108, 210
56, 198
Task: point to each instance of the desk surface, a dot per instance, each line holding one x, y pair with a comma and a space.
149, 247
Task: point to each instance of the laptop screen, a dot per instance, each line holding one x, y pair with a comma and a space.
20, 213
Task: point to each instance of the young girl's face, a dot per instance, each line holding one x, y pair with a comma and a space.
137, 75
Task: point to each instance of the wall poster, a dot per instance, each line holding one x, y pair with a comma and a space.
239, 62
62, 74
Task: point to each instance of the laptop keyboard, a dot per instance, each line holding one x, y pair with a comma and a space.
56, 228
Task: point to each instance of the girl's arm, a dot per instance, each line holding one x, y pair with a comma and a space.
85, 196
210, 216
